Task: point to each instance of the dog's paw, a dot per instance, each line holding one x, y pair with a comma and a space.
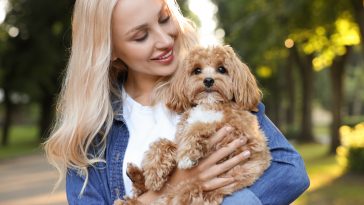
186, 163
134, 173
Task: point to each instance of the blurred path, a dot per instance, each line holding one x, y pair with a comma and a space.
29, 180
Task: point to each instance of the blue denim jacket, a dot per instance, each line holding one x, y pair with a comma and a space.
281, 183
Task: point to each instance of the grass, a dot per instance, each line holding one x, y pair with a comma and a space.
330, 185
23, 140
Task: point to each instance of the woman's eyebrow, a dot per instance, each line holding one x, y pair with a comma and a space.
145, 25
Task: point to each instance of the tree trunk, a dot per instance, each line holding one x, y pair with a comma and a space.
277, 102
46, 115
290, 88
358, 8
337, 81
9, 108
306, 71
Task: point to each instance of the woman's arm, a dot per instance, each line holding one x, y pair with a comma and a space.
284, 180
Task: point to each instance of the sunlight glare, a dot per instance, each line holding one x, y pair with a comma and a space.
205, 10
3, 4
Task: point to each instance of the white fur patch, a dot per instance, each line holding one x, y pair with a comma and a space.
185, 163
199, 114
209, 70
210, 99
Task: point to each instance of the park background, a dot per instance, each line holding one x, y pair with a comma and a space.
308, 56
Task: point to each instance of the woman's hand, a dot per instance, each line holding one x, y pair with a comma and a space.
207, 171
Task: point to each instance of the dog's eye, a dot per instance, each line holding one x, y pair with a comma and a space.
197, 71
221, 70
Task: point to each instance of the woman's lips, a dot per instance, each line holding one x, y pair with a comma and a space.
166, 58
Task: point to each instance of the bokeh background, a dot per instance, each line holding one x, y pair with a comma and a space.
308, 56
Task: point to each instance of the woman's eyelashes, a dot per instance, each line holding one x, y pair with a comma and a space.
165, 19
145, 36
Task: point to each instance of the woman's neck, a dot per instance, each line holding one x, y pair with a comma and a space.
140, 87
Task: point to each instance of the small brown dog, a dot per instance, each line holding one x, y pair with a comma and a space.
213, 89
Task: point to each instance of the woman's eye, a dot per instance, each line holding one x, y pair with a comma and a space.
221, 70
196, 71
165, 20
142, 38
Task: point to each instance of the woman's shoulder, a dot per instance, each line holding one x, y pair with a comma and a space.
260, 113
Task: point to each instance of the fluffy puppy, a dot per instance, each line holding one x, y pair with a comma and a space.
213, 89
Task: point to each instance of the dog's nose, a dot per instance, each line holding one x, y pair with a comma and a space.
208, 82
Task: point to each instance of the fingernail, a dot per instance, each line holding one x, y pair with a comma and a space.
229, 129
246, 153
242, 140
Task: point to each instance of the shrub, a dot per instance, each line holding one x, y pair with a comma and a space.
351, 152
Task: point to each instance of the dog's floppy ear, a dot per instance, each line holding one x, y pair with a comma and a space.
176, 98
246, 91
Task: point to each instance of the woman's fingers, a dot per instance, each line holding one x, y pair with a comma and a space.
217, 137
222, 152
216, 183
227, 165
221, 168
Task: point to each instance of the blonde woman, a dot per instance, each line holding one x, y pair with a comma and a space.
121, 49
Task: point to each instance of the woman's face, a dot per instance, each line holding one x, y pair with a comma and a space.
144, 37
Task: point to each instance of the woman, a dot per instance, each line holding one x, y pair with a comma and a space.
122, 49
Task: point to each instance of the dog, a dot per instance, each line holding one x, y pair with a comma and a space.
213, 88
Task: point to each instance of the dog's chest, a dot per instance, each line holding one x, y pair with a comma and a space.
202, 114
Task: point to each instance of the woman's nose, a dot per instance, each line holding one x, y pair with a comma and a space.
164, 39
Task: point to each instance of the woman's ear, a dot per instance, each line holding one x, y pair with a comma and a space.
113, 56
176, 98
246, 92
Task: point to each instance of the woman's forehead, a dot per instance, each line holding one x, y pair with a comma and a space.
130, 14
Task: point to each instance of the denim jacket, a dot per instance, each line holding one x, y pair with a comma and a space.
282, 182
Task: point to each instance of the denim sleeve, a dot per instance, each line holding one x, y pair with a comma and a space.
283, 181
96, 192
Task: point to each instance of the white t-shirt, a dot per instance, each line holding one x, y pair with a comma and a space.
146, 124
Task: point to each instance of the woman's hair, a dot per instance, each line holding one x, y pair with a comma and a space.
84, 108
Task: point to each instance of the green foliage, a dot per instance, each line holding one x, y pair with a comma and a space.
258, 29
34, 58
187, 12
352, 120
351, 153
291, 132
23, 140
356, 159
329, 184
319, 33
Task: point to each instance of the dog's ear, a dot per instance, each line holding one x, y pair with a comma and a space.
246, 92
176, 98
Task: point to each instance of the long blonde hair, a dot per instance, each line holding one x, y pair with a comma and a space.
84, 108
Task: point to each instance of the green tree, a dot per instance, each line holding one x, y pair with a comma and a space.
317, 34
258, 30
358, 10
36, 56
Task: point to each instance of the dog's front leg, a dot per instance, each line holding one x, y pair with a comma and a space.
137, 177
158, 163
193, 145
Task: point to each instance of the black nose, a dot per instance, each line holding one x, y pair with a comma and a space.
208, 82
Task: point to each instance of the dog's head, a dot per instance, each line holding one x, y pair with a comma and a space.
213, 75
